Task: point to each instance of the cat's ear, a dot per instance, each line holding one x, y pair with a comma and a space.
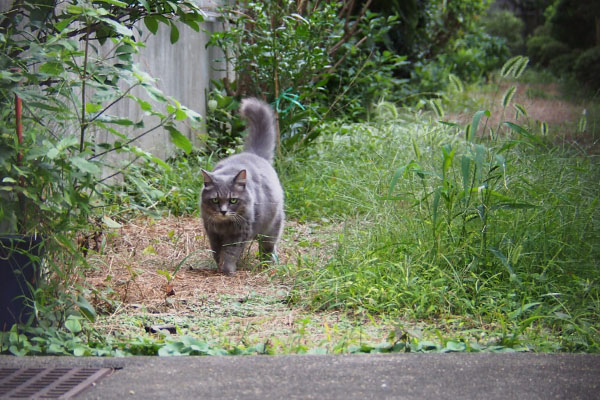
240, 178
207, 178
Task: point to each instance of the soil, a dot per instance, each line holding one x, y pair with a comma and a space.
159, 274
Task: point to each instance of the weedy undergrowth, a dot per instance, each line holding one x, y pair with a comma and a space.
492, 226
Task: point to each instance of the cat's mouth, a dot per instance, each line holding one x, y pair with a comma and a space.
225, 217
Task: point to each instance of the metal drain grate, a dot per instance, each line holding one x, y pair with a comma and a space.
47, 383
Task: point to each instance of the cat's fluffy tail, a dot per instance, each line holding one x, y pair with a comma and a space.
261, 126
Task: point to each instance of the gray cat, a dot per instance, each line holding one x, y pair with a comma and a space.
242, 198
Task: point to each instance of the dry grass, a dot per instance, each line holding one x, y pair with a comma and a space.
251, 306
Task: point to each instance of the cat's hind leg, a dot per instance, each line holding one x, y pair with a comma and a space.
267, 242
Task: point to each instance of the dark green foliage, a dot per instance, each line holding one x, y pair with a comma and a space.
428, 27
563, 64
587, 68
504, 24
574, 22
311, 63
471, 57
571, 29
543, 49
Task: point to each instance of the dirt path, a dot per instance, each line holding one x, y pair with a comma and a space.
135, 297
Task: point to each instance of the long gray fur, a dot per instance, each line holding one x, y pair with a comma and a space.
242, 199
261, 137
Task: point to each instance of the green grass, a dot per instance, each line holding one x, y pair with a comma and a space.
531, 279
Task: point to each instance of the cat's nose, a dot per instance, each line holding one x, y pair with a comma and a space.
224, 212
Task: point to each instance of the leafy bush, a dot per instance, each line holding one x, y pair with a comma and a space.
52, 59
470, 58
310, 62
563, 64
504, 24
542, 49
586, 67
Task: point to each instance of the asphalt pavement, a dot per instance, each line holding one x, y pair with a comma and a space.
364, 376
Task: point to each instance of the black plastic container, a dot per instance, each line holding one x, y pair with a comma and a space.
20, 258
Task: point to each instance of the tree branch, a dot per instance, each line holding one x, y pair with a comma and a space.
349, 32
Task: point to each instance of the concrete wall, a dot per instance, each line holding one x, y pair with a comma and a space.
183, 71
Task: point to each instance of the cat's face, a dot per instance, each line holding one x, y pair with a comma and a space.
224, 199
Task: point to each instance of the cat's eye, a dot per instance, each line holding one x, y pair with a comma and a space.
214, 200
233, 200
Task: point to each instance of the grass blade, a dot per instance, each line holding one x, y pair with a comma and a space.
506, 263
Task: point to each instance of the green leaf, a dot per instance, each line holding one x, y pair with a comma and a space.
449, 153
174, 36
111, 223
115, 3
180, 115
160, 162
119, 28
522, 131
145, 4
179, 140
517, 313
192, 24
151, 23
512, 205
452, 346
61, 25
155, 93
92, 108
149, 250
86, 309
506, 263
52, 153
171, 349
85, 165
191, 114
81, 351
73, 325
72, 9
401, 172
53, 68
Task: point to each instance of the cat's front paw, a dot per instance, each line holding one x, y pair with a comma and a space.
227, 269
